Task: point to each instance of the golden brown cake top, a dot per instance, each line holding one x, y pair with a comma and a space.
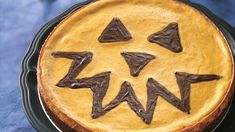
165, 49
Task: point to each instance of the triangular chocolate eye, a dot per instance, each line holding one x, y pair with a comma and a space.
168, 38
137, 61
115, 32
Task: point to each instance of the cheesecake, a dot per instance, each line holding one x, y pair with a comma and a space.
136, 66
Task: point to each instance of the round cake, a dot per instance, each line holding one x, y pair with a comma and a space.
136, 66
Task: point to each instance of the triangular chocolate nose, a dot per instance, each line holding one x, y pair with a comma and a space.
168, 38
137, 61
115, 32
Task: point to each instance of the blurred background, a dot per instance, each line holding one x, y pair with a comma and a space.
19, 21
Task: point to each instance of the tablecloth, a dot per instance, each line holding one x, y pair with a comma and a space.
19, 21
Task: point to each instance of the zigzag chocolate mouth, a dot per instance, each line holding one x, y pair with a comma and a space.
100, 83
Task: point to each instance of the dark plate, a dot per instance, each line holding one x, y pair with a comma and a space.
28, 78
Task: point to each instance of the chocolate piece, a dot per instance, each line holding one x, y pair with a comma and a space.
194, 78
80, 61
127, 94
168, 38
115, 32
184, 81
137, 61
99, 85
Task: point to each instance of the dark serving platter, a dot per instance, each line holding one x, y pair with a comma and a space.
28, 77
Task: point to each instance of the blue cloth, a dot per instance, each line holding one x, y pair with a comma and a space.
225, 9
19, 21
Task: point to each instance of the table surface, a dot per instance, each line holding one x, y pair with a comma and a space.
19, 21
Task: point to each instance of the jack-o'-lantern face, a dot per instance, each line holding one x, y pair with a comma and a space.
99, 83
134, 69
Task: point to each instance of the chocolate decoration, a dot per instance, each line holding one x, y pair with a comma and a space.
184, 81
137, 61
80, 61
127, 94
115, 32
168, 38
100, 82
98, 85
194, 78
